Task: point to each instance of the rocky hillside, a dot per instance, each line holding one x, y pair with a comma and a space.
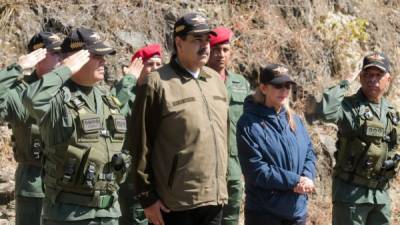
320, 41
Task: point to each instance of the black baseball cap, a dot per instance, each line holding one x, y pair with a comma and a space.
84, 38
378, 60
192, 23
46, 40
275, 74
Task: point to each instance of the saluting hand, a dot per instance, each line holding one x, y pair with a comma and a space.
30, 60
153, 213
76, 61
135, 68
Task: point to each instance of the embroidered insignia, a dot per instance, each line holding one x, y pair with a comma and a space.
95, 36
179, 28
38, 45
376, 57
199, 19
280, 70
55, 38
75, 45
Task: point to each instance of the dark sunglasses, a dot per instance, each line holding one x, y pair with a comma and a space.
284, 85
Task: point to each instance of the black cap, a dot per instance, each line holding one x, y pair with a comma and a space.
192, 23
83, 38
46, 40
275, 74
378, 60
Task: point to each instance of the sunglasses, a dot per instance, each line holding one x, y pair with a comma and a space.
284, 85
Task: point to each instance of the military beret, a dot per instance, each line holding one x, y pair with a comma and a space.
224, 35
147, 52
46, 40
83, 38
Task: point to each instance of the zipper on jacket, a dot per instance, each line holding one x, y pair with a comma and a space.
215, 141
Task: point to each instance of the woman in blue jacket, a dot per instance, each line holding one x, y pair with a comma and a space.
276, 154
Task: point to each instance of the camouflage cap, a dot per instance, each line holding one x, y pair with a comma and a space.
275, 74
378, 60
192, 23
46, 40
83, 38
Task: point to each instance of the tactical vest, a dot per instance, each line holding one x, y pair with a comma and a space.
27, 142
87, 169
369, 155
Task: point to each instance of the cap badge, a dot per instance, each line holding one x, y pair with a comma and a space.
280, 70
179, 28
55, 37
37, 46
198, 19
75, 45
95, 36
375, 57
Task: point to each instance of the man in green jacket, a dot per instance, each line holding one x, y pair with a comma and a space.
238, 88
83, 133
44, 49
179, 134
367, 156
143, 62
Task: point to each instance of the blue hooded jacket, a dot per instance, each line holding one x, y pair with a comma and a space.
273, 158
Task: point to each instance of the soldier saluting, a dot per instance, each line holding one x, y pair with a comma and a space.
367, 154
83, 133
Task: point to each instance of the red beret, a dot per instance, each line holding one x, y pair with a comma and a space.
147, 52
223, 35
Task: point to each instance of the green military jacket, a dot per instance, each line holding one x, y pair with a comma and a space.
125, 91
54, 101
28, 182
337, 108
238, 88
179, 138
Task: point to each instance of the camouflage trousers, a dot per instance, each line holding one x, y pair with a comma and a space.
28, 210
361, 214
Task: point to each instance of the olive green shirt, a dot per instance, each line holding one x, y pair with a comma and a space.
336, 109
237, 88
45, 102
28, 182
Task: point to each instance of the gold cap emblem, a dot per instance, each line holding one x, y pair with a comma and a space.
280, 70
55, 38
376, 57
38, 45
199, 19
75, 45
95, 36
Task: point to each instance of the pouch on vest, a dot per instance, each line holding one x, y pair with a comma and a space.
117, 125
373, 131
73, 160
371, 163
350, 153
36, 143
89, 127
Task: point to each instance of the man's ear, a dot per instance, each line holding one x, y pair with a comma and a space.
178, 42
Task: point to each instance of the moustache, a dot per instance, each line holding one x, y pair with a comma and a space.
203, 51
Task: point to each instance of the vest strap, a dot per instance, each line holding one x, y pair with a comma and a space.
97, 200
374, 183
